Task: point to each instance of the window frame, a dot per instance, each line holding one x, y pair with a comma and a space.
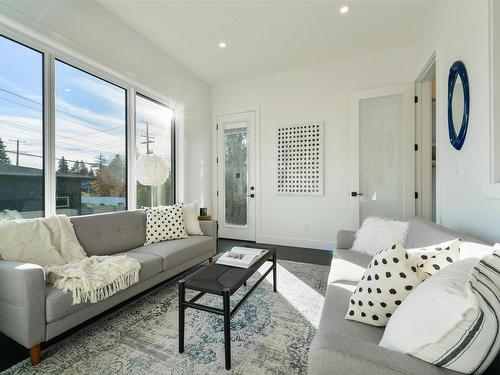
52, 51
54, 60
45, 118
173, 155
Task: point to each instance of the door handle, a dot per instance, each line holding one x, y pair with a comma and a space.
251, 195
356, 194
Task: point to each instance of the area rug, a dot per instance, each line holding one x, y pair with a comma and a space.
270, 334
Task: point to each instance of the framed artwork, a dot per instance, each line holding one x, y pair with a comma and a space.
300, 159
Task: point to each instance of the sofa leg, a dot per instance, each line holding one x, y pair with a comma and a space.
210, 260
35, 355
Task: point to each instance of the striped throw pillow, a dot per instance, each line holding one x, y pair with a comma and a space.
477, 340
453, 318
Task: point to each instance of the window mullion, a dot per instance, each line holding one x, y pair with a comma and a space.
131, 151
49, 135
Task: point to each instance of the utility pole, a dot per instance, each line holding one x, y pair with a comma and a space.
18, 141
149, 138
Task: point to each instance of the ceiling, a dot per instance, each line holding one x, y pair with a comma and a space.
271, 36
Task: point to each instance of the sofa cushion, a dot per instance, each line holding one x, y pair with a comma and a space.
424, 233
176, 252
333, 317
111, 233
58, 304
347, 347
348, 265
150, 264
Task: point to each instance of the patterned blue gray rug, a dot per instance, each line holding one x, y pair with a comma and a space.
270, 334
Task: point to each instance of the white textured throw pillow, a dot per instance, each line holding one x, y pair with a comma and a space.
191, 219
164, 223
377, 234
454, 317
389, 279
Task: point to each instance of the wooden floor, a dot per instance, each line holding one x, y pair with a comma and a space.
12, 352
296, 254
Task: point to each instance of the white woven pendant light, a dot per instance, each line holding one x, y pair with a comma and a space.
151, 170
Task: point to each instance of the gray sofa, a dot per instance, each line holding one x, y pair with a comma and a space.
32, 312
347, 347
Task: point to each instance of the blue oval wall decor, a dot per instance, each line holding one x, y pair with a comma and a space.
456, 70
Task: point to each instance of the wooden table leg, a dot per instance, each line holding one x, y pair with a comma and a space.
275, 276
182, 298
227, 328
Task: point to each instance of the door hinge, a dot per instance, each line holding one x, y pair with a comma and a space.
416, 195
416, 147
217, 160
217, 192
216, 126
416, 99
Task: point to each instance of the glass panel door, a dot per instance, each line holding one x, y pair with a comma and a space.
236, 171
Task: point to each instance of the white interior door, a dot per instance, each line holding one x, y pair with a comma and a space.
236, 176
383, 154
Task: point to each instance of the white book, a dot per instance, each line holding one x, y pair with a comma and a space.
242, 257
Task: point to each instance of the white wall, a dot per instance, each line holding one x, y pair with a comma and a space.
93, 31
303, 95
466, 200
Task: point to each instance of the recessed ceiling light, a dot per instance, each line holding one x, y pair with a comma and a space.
222, 45
344, 9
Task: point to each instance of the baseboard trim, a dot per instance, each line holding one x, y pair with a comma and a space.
297, 242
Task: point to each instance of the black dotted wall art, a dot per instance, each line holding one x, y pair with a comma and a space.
300, 159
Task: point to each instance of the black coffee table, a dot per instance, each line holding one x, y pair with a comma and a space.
222, 281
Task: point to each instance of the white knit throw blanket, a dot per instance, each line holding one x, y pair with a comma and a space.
95, 278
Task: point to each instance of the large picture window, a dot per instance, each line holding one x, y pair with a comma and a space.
21, 131
65, 130
154, 152
90, 118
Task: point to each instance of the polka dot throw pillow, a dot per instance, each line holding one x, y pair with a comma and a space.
433, 258
389, 279
165, 223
